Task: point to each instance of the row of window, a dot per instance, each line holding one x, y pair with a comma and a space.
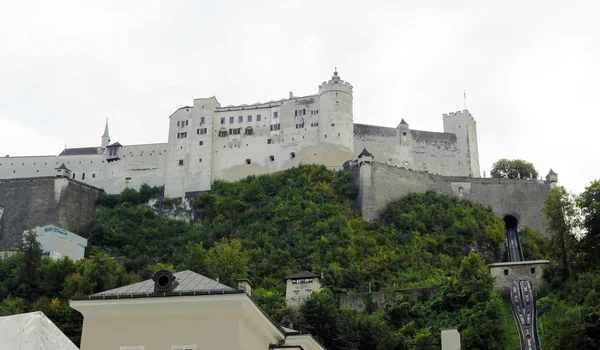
237, 131
180, 162
46, 163
241, 118
302, 280
173, 347
297, 113
302, 112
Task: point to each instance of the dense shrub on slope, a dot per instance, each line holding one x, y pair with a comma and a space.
269, 226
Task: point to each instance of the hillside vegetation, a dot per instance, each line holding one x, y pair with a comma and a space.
270, 226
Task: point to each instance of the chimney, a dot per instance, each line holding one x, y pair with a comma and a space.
291, 95
450, 339
164, 281
245, 285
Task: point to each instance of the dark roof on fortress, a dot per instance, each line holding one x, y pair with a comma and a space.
80, 151
62, 167
190, 283
303, 274
365, 153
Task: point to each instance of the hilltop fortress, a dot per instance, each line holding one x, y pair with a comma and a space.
207, 141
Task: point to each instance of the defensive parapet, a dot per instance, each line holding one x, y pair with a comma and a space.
381, 184
30, 202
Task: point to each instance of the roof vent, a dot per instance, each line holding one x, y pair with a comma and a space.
164, 281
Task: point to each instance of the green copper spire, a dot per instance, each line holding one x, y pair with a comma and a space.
106, 129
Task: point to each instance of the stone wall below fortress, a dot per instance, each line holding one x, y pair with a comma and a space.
30, 202
381, 184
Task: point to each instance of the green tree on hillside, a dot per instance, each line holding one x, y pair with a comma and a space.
29, 281
513, 169
559, 209
227, 261
589, 204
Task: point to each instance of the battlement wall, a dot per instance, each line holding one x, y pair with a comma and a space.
27, 203
381, 184
464, 112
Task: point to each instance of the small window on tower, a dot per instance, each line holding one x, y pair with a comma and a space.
248, 161
180, 162
200, 160
271, 158
505, 272
293, 155
201, 143
404, 133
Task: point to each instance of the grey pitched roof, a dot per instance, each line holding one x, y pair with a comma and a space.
115, 144
189, 282
402, 122
365, 153
80, 151
303, 274
62, 167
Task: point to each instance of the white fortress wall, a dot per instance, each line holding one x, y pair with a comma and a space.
207, 141
18, 167
436, 153
138, 164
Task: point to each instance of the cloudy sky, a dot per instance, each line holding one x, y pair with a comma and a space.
530, 69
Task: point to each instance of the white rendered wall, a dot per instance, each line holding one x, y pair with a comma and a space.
59, 242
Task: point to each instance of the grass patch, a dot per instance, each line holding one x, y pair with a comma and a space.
513, 342
541, 331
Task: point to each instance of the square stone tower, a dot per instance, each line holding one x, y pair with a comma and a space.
300, 287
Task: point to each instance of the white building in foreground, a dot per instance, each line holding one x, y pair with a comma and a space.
182, 311
58, 242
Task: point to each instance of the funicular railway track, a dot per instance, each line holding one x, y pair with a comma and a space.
521, 296
523, 307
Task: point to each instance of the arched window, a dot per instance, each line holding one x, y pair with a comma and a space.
249, 131
223, 132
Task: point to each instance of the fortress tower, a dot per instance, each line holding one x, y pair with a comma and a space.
464, 126
337, 120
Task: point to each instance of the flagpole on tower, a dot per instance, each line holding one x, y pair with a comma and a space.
465, 98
